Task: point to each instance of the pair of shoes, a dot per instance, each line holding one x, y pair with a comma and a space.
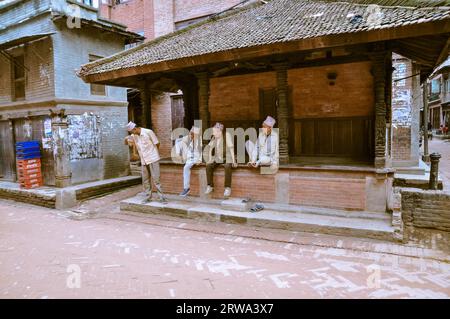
163, 200
209, 190
185, 192
227, 192
257, 208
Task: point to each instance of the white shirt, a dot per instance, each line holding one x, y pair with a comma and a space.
146, 146
266, 150
194, 148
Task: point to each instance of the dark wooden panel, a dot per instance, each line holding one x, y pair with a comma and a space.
344, 137
177, 111
308, 136
267, 103
22, 133
7, 158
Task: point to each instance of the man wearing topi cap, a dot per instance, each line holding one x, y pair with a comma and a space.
147, 145
265, 151
191, 147
221, 151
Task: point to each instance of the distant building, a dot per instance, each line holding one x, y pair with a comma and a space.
439, 98
80, 126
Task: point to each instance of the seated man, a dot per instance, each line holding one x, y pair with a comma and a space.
265, 151
221, 151
191, 148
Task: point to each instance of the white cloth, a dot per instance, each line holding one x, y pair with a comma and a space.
146, 146
265, 150
270, 121
189, 149
130, 126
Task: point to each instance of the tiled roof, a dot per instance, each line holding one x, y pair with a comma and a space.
277, 21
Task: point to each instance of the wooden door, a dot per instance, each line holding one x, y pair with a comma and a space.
177, 111
7, 155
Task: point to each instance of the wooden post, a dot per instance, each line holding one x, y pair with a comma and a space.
61, 154
426, 156
203, 98
379, 76
282, 110
146, 103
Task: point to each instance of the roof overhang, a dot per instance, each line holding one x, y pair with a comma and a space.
22, 40
104, 25
427, 29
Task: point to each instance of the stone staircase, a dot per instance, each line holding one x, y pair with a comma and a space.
277, 216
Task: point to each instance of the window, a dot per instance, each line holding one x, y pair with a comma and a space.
447, 86
97, 89
91, 3
435, 86
18, 77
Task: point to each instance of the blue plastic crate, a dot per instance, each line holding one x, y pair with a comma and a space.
28, 156
27, 144
28, 150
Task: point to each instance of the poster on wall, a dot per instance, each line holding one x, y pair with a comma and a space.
47, 128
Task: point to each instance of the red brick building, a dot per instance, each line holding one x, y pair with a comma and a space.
324, 70
152, 19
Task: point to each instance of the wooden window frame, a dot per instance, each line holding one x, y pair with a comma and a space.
15, 80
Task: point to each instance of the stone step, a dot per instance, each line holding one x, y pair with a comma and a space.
237, 204
62, 198
304, 221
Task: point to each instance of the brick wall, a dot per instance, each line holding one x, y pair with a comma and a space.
327, 192
72, 48
162, 122
39, 78
352, 94
190, 9
401, 108
306, 187
401, 143
230, 100
132, 13
426, 209
115, 153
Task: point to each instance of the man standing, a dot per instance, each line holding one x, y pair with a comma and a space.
265, 151
147, 145
221, 151
191, 148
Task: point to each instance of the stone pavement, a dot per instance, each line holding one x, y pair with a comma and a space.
49, 254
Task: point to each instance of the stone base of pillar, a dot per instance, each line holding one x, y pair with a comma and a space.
62, 181
380, 162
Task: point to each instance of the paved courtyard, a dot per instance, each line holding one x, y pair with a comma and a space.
47, 253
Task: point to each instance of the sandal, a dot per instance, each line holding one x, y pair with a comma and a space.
257, 208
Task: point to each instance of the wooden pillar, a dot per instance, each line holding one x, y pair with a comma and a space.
61, 154
190, 101
203, 98
379, 60
282, 110
426, 155
146, 103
